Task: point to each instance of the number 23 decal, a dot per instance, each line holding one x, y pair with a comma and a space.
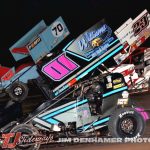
140, 24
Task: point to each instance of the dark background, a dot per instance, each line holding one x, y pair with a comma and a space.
18, 16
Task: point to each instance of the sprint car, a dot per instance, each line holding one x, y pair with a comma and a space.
14, 82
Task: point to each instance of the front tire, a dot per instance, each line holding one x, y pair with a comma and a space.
126, 123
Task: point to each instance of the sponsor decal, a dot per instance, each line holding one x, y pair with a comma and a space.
122, 101
118, 80
8, 75
109, 85
11, 140
6, 140
118, 86
34, 43
88, 37
109, 80
126, 113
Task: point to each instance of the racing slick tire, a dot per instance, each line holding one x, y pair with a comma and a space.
18, 91
26, 130
126, 123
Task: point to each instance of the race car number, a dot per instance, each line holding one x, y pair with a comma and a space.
59, 68
57, 29
140, 24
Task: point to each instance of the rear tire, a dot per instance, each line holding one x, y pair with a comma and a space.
126, 123
18, 91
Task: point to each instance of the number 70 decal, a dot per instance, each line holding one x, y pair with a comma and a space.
59, 68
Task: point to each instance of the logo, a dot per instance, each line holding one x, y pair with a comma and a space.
126, 113
94, 38
118, 80
118, 86
97, 42
11, 140
34, 43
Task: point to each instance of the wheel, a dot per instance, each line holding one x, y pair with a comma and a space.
26, 130
18, 91
126, 123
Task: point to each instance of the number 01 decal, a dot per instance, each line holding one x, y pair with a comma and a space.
59, 68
